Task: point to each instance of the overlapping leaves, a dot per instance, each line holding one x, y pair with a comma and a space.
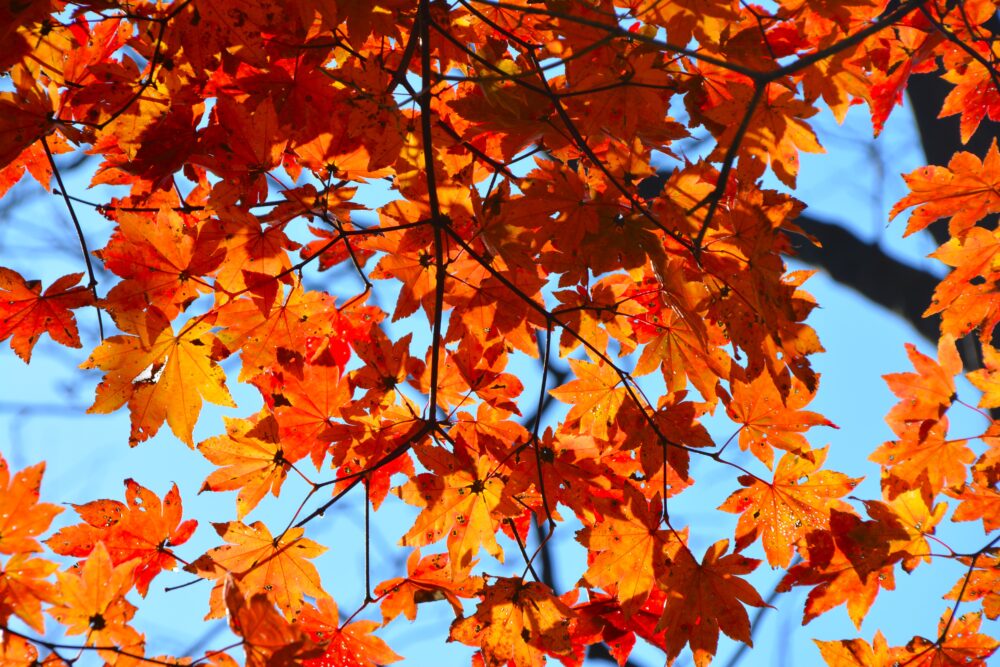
239, 133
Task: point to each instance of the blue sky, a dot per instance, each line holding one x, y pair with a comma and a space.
41, 418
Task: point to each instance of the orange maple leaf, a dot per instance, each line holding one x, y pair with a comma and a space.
142, 529
978, 500
975, 94
846, 565
777, 131
570, 470
262, 563
967, 190
24, 586
923, 453
911, 514
92, 602
269, 640
596, 395
927, 394
427, 579
163, 260
959, 643
25, 117
305, 407
461, 498
983, 583
22, 517
967, 297
273, 335
987, 379
517, 622
770, 419
412, 264
26, 313
705, 598
347, 645
858, 653
251, 458
627, 548
15, 651
797, 501
384, 369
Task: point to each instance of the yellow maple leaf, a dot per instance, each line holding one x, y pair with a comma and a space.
160, 374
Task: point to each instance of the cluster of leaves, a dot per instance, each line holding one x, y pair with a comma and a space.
239, 132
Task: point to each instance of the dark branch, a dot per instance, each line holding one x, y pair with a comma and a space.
867, 269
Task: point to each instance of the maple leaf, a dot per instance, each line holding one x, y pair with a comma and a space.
141, 529
777, 130
272, 335
183, 371
255, 254
344, 645
385, 366
427, 579
493, 313
846, 565
595, 396
601, 619
380, 446
705, 598
799, 500
252, 460
592, 314
769, 419
262, 563
22, 517
518, 622
92, 602
453, 389
967, 190
269, 639
627, 548
913, 514
461, 498
927, 394
24, 586
559, 196
25, 117
982, 582
975, 95
163, 258
987, 379
922, 454
242, 141
26, 313
413, 265
664, 450
858, 652
959, 643
677, 338
965, 297
569, 469
979, 500
305, 408
16, 651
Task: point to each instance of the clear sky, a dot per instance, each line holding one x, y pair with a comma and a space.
41, 418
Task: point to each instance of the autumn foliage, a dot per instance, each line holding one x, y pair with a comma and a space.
242, 138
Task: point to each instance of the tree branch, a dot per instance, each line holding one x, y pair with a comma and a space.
867, 269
